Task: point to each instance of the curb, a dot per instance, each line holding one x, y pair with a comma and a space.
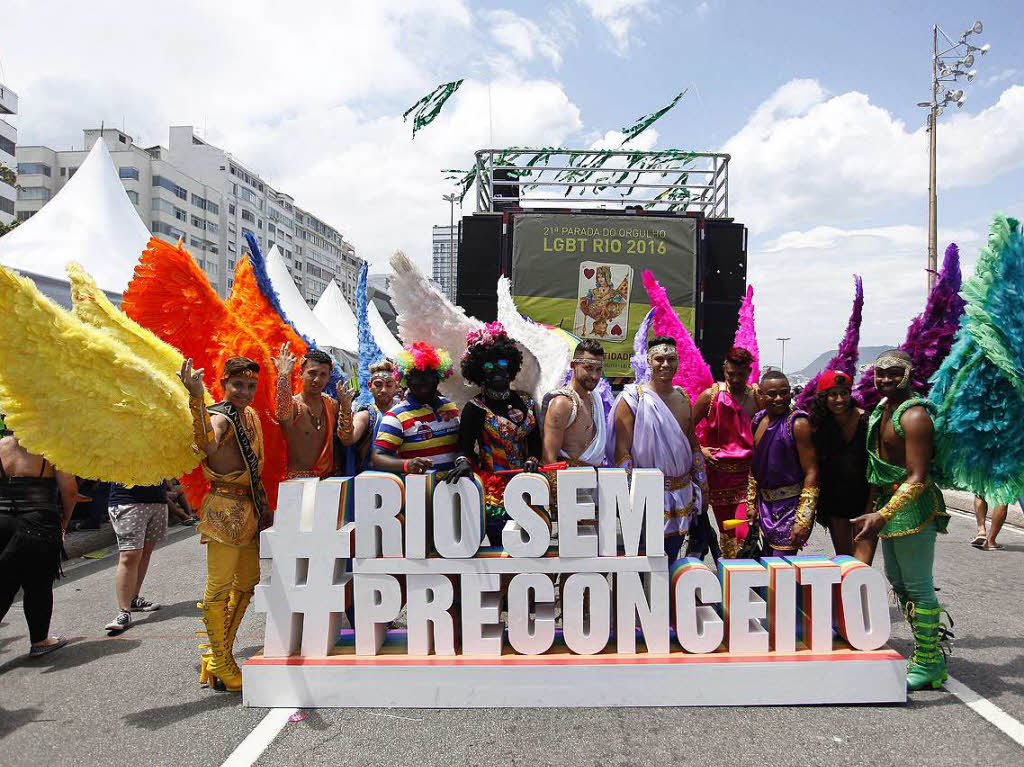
962, 501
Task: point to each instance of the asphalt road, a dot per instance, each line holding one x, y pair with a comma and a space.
135, 700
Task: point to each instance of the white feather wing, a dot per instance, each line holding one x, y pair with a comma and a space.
424, 314
546, 355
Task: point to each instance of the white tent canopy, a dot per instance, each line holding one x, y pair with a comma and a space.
91, 221
334, 312
382, 334
296, 309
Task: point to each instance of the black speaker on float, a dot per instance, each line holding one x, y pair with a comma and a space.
724, 270
506, 196
479, 265
717, 331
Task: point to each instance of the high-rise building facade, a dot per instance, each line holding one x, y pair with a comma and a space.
445, 251
197, 192
8, 141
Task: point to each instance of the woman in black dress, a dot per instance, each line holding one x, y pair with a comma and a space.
840, 438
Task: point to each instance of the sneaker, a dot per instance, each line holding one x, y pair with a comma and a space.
140, 605
122, 622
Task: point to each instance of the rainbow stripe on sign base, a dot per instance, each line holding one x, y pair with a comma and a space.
559, 678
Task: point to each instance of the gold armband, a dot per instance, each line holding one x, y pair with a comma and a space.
805, 510
905, 495
700, 474
202, 428
283, 398
751, 498
344, 421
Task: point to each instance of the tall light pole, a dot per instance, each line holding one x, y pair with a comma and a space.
948, 66
451, 199
782, 367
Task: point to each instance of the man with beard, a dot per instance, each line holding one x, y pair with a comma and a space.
653, 429
422, 431
783, 488
233, 512
358, 427
908, 510
727, 410
307, 419
574, 423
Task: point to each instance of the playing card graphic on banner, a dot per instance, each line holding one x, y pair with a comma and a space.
602, 301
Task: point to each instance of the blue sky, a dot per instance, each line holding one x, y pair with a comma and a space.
814, 101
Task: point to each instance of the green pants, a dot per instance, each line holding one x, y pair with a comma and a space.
908, 565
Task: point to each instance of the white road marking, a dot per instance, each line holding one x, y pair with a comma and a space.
257, 741
988, 710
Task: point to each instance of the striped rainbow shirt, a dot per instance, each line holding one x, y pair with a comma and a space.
413, 430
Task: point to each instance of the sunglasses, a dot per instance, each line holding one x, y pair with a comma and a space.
490, 367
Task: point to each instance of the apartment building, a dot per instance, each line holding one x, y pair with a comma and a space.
8, 142
445, 258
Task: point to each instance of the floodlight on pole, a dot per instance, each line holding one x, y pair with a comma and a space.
948, 65
782, 367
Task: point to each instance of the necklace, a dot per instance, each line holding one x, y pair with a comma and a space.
498, 395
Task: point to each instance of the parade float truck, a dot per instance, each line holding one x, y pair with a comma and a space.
574, 230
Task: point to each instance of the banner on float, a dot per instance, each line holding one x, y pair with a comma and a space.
633, 631
581, 272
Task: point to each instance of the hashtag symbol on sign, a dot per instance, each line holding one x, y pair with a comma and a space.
309, 586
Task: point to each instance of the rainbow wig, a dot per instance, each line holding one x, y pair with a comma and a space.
422, 356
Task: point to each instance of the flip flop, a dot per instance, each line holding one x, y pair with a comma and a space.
993, 547
979, 542
37, 651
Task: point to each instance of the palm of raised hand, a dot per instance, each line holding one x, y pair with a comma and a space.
285, 361
193, 379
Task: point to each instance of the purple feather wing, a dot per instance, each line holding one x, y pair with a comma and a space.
845, 359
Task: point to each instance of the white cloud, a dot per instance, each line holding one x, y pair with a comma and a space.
311, 102
806, 156
618, 16
804, 287
613, 140
522, 37
1001, 77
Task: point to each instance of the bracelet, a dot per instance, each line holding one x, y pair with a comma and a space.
805, 511
345, 423
283, 398
405, 465
752, 512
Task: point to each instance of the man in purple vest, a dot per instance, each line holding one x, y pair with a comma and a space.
783, 487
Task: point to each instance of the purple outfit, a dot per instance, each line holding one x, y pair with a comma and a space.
776, 469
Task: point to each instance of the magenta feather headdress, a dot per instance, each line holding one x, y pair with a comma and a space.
845, 359
746, 335
694, 375
930, 335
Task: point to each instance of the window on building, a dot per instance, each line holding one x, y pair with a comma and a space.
247, 215
259, 224
122, 138
33, 193
211, 227
231, 210
71, 172
7, 206
63, 172
195, 242
166, 183
212, 207
133, 196
128, 172
7, 145
25, 215
271, 229
231, 264
159, 227
33, 169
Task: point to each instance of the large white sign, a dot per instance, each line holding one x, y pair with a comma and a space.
382, 543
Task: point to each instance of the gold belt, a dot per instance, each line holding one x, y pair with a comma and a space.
732, 465
780, 493
677, 483
225, 488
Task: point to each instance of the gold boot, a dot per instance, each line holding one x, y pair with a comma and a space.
204, 658
220, 666
238, 601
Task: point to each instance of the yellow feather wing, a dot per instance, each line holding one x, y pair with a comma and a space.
84, 399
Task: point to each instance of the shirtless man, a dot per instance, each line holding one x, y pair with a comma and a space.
727, 443
906, 509
234, 510
782, 491
307, 419
574, 424
653, 429
32, 525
